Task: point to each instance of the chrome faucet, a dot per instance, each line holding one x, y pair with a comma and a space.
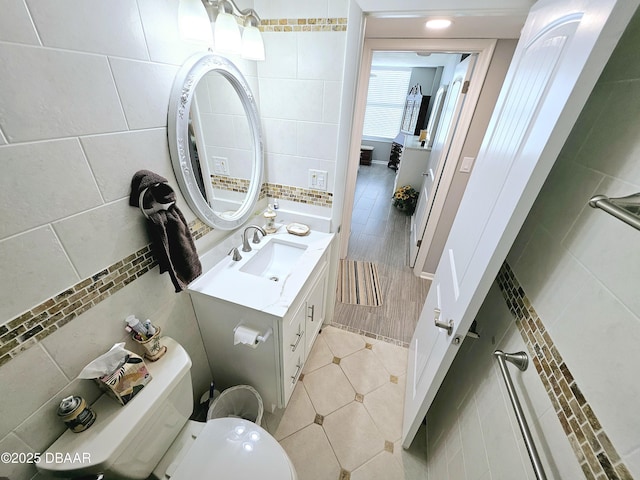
236, 254
245, 241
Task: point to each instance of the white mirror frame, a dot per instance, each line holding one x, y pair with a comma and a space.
182, 93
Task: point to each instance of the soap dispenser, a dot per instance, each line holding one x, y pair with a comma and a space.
270, 217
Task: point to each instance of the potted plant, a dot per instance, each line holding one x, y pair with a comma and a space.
405, 199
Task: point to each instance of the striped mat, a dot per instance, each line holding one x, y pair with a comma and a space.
358, 283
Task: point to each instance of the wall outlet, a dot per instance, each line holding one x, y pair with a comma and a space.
220, 165
318, 179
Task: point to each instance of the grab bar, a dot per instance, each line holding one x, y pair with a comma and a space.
520, 360
626, 209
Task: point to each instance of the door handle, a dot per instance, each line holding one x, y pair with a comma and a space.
425, 174
448, 326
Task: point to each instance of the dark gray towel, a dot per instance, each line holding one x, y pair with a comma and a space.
171, 239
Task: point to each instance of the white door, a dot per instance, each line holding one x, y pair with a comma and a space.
444, 134
562, 50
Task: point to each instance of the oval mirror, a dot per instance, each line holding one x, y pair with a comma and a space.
215, 140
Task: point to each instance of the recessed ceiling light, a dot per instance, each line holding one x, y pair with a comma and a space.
438, 23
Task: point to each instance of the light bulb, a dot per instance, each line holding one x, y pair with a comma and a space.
438, 23
252, 43
193, 22
227, 34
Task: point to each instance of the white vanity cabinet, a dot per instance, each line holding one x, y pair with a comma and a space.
290, 324
300, 330
414, 161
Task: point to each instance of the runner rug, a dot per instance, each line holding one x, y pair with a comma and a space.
358, 283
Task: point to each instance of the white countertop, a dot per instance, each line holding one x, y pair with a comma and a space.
225, 281
411, 141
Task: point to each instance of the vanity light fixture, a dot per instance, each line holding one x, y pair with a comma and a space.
438, 23
226, 15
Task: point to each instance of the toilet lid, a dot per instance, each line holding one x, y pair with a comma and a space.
234, 449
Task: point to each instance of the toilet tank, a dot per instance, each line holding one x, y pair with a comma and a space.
128, 441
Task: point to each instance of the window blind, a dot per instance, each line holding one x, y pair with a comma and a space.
387, 94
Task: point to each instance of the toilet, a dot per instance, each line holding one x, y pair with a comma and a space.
152, 437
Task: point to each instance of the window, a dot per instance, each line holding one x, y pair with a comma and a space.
387, 94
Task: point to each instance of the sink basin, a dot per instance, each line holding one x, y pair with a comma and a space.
275, 260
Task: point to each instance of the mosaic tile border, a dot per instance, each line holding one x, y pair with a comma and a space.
199, 229
597, 456
29, 328
303, 25
298, 194
276, 190
233, 184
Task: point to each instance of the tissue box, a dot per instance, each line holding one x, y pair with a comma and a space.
127, 380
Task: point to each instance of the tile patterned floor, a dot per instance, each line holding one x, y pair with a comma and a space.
344, 419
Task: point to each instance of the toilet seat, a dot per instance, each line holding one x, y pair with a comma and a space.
234, 449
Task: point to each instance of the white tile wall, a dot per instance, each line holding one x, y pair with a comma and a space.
32, 176
331, 102
291, 99
338, 8
280, 137
37, 267
11, 443
293, 8
90, 26
321, 55
100, 237
139, 85
114, 158
160, 30
22, 398
56, 93
300, 89
312, 140
281, 56
16, 25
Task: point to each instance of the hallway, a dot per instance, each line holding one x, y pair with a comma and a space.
380, 234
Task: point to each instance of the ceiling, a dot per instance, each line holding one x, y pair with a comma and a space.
445, 7
471, 19
409, 59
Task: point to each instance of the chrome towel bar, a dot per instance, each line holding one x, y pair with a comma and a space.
520, 360
626, 209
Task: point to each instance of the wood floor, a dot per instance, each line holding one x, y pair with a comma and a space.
380, 234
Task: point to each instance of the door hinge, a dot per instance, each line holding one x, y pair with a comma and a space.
418, 243
465, 86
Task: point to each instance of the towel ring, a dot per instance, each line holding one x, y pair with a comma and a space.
157, 206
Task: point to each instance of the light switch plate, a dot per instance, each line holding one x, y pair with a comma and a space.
220, 165
467, 163
318, 179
